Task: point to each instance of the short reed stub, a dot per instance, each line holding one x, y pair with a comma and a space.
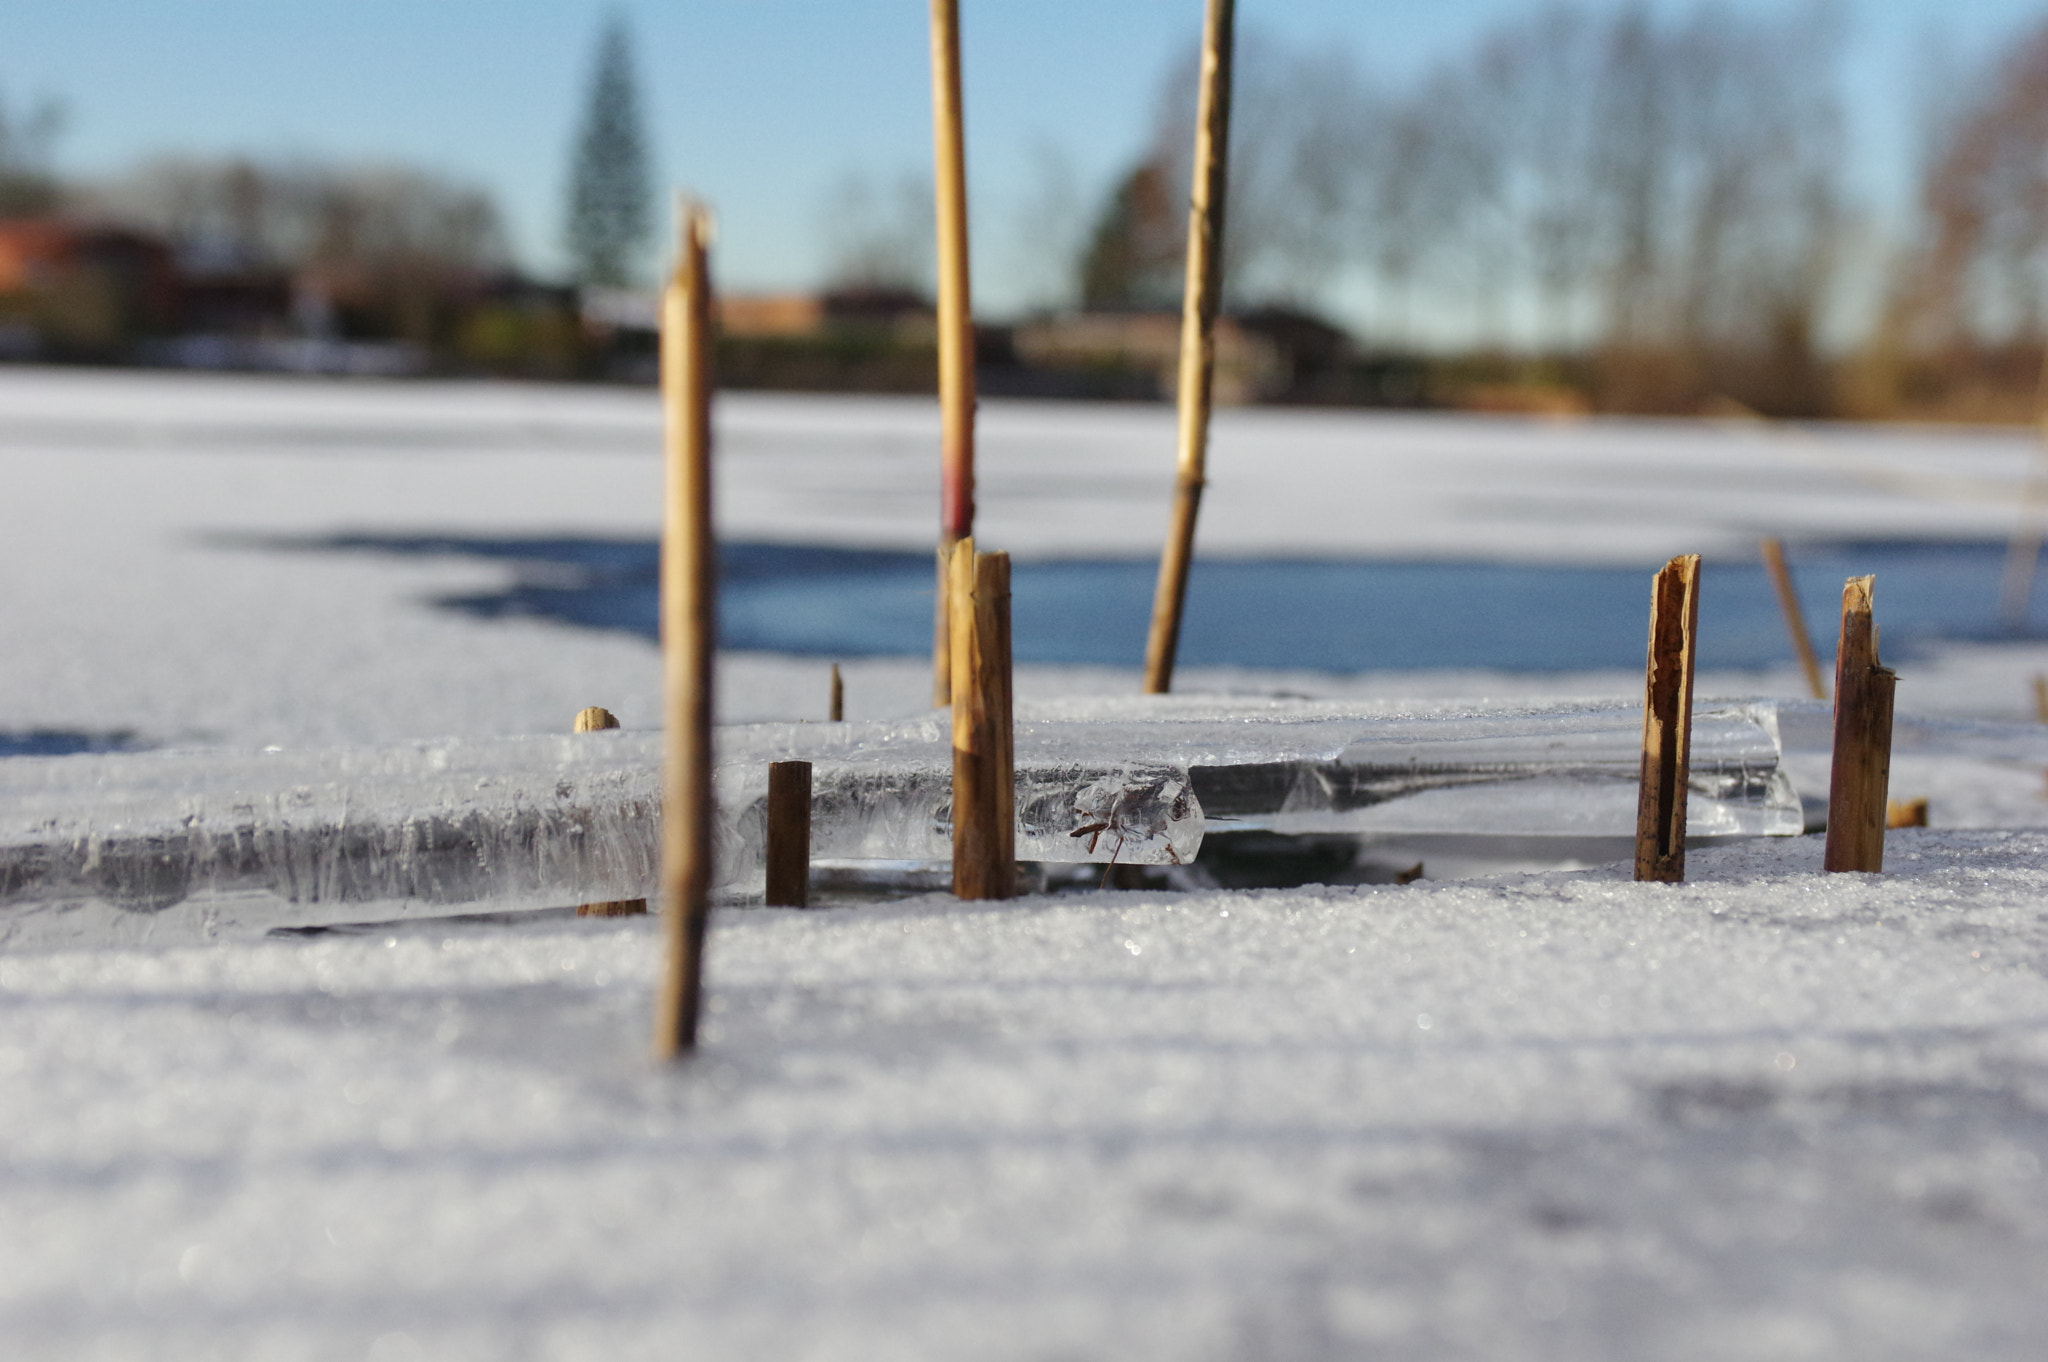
1667, 721
789, 834
1861, 778
984, 761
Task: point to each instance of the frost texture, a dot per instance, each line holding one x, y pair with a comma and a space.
1572, 774
884, 791
257, 840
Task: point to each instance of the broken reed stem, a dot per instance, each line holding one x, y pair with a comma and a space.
836, 708
1197, 343
789, 834
2041, 697
1667, 721
984, 753
2023, 553
955, 322
596, 720
1861, 778
1795, 618
688, 636
2022, 559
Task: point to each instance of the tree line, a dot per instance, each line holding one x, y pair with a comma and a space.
1654, 209
1649, 210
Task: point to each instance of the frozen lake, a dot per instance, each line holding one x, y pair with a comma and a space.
1767, 1114
1319, 614
214, 559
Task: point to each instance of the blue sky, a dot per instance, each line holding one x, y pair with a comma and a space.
764, 106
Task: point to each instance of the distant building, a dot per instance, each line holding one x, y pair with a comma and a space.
78, 289
771, 314
1249, 366
904, 314
246, 301
774, 316
883, 340
1262, 355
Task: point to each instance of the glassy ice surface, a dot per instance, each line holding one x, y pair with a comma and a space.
199, 843
884, 791
194, 844
1571, 774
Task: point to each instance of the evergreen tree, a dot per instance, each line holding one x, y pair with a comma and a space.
609, 214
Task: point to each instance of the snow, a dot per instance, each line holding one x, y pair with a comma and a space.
1764, 1114
1768, 1113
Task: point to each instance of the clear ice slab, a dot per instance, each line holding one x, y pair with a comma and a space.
187, 845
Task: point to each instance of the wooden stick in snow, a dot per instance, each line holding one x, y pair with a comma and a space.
688, 635
956, 325
789, 834
2041, 697
1861, 778
1667, 721
1197, 342
837, 709
596, 720
984, 759
1795, 618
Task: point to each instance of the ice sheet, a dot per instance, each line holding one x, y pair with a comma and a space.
109, 845
182, 844
149, 616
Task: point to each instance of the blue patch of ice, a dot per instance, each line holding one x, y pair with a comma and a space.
1341, 615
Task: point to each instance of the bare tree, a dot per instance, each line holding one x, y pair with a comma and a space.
1298, 127
301, 214
391, 247
1047, 231
1657, 195
1979, 279
880, 235
1663, 193
28, 184
1135, 256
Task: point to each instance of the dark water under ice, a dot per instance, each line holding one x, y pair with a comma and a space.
1345, 615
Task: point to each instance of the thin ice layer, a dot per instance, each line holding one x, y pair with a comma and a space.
1573, 774
1136, 779
184, 844
232, 841
884, 791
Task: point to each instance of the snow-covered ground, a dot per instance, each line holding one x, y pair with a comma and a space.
1767, 1114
